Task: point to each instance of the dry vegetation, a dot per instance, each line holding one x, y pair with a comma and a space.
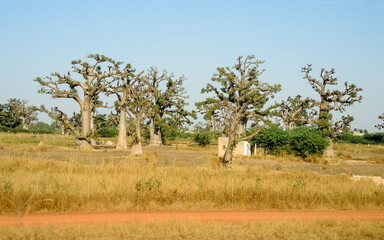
31, 182
201, 230
365, 152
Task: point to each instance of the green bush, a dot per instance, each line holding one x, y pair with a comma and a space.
273, 139
107, 132
18, 129
350, 138
374, 137
302, 141
307, 141
42, 127
203, 139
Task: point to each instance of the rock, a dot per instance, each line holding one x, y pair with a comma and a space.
109, 143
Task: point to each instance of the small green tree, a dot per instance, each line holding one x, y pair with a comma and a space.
241, 95
16, 113
295, 112
168, 99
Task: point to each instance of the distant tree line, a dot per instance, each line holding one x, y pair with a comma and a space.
151, 104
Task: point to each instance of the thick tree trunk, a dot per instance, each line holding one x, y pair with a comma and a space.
228, 155
137, 148
92, 122
155, 135
213, 123
122, 138
242, 126
85, 140
24, 123
232, 132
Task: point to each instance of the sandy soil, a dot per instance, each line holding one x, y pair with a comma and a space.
121, 217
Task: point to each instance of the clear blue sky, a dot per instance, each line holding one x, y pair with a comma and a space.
194, 38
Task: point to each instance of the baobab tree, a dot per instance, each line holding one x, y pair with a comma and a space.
122, 87
210, 109
330, 100
139, 107
166, 100
295, 112
94, 82
241, 95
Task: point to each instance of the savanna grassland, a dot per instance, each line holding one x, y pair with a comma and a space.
56, 177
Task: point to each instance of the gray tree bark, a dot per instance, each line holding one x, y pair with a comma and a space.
122, 138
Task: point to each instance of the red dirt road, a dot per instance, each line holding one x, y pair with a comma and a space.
121, 217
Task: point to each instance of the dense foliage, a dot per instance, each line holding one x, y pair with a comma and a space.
307, 141
40, 127
203, 138
273, 139
302, 141
107, 132
368, 138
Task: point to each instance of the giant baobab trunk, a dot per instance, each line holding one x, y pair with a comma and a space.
232, 132
122, 138
155, 135
242, 126
137, 148
228, 155
84, 141
213, 124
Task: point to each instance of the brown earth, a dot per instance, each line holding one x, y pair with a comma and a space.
121, 217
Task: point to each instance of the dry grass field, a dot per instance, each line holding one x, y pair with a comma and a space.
324, 229
57, 177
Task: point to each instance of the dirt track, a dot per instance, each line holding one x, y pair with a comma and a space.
121, 217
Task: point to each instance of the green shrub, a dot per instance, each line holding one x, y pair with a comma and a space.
42, 127
374, 137
273, 139
307, 141
350, 138
302, 141
107, 132
203, 139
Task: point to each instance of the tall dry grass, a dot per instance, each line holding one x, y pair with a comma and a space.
36, 185
25, 141
367, 152
201, 230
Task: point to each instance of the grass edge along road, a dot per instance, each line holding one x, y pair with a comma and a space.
279, 229
148, 216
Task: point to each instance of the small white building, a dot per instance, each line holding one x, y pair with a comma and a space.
243, 148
